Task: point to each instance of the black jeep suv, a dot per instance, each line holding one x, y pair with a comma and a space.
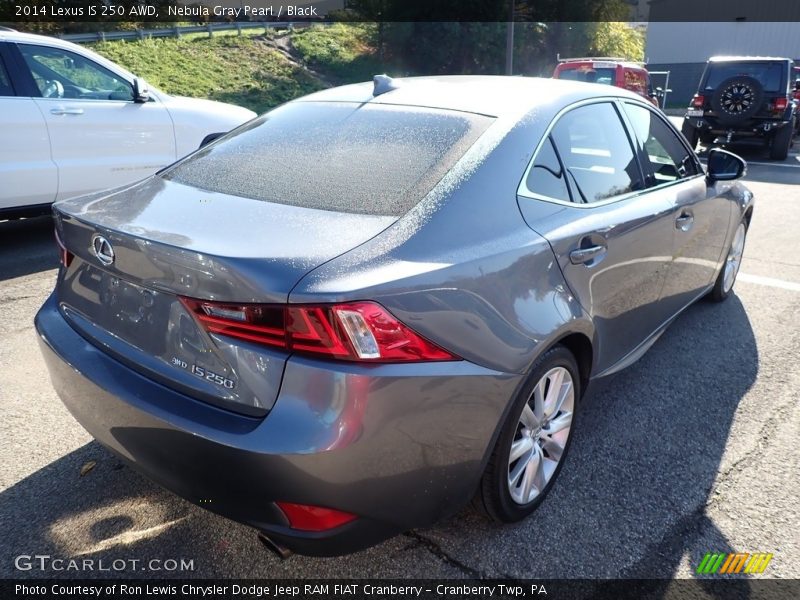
744, 97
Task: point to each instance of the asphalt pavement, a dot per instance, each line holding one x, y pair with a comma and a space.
692, 449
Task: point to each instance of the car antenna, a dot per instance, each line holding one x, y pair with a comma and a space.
383, 83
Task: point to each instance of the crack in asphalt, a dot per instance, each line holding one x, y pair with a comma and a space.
763, 441
690, 526
434, 548
9, 299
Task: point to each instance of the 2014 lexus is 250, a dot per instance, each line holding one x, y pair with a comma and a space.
355, 313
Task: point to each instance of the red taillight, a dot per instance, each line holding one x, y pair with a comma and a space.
314, 518
357, 331
263, 324
313, 329
781, 104
698, 101
64, 256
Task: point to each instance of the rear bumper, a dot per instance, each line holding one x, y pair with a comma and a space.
398, 445
748, 128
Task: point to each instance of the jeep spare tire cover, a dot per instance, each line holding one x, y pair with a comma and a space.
737, 98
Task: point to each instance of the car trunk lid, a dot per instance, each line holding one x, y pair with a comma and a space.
168, 241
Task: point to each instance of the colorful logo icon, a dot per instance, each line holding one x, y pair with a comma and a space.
722, 563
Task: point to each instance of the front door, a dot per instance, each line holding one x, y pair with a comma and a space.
100, 137
699, 213
613, 240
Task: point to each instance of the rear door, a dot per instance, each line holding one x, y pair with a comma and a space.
28, 175
100, 137
613, 240
700, 215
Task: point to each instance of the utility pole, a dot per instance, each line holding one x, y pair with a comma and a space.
510, 39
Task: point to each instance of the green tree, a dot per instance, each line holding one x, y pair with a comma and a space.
618, 39
420, 37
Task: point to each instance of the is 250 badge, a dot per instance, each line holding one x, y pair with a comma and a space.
204, 373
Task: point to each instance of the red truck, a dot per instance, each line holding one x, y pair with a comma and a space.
610, 71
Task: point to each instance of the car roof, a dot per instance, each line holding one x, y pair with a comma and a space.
746, 58
10, 35
492, 95
580, 62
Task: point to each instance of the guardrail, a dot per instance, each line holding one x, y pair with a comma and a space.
140, 34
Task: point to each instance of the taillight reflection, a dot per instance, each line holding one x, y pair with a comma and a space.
64, 256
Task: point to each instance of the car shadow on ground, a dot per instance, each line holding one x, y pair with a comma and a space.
27, 246
630, 502
632, 497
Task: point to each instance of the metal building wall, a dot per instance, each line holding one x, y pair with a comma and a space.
683, 48
695, 42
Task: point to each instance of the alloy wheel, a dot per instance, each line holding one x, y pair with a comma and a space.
734, 260
737, 99
541, 437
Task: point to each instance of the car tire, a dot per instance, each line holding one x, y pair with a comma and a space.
691, 134
723, 286
752, 91
781, 142
502, 494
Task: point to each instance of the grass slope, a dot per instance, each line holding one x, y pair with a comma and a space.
250, 70
344, 53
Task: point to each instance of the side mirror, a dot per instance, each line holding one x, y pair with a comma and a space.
141, 93
797, 85
724, 165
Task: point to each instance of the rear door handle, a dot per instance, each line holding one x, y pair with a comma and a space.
66, 111
684, 222
585, 255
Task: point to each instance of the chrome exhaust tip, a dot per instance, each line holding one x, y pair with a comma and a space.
280, 550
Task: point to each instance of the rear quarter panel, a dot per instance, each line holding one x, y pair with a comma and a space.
462, 268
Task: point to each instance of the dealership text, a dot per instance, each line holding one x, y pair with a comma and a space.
255, 590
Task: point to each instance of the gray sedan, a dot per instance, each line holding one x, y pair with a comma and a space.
355, 313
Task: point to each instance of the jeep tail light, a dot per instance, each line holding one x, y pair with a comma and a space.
64, 256
314, 518
698, 101
355, 331
781, 104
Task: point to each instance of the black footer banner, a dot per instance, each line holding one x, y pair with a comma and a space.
424, 589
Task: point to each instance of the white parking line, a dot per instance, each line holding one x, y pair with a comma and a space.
769, 281
764, 164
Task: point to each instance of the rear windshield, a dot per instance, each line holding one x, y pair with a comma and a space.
602, 75
770, 75
347, 157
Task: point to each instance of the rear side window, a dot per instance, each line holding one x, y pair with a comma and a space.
546, 177
770, 75
5, 81
596, 153
345, 157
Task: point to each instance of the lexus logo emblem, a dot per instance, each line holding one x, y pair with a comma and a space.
103, 249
